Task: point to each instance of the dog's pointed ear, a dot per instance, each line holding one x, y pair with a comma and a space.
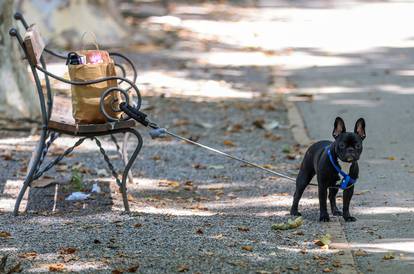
360, 128
339, 127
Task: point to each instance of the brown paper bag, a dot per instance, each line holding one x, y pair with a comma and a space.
86, 98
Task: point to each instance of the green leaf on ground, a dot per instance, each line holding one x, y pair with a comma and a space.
286, 149
325, 240
291, 224
389, 256
77, 180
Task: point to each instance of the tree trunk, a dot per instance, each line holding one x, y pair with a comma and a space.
62, 23
18, 97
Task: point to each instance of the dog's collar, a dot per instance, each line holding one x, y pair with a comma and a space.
347, 181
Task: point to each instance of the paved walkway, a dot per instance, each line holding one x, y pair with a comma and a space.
364, 68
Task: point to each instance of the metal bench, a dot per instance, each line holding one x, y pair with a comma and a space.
56, 118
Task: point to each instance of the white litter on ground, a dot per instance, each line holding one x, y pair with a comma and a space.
96, 188
77, 196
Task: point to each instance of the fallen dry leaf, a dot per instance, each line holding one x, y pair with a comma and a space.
137, 225
61, 167
291, 224
28, 255
168, 183
389, 256
272, 137
183, 268
235, 128
247, 248
259, 123
228, 143
291, 156
199, 166
5, 234
218, 236
67, 250
56, 151
336, 264
391, 158
294, 268
243, 228
7, 155
326, 270
300, 233
360, 253
304, 96
324, 241
156, 157
199, 207
131, 198
268, 166
59, 267
133, 268
263, 272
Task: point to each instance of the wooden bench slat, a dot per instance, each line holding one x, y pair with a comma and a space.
62, 120
34, 44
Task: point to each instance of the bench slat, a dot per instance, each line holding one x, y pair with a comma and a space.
34, 44
63, 121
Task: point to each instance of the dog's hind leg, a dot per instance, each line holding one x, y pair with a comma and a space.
302, 181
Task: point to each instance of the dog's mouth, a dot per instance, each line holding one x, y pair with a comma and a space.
348, 158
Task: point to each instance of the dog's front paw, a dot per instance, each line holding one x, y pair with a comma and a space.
349, 219
295, 213
337, 213
324, 218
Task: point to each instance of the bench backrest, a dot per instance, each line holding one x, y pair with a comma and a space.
34, 45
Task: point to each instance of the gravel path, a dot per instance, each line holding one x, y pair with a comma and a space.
192, 211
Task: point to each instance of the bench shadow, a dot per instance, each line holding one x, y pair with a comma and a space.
53, 199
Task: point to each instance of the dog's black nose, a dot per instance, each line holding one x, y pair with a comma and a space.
350, 150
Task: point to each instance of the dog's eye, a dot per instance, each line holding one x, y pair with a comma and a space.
358, 146
341, 145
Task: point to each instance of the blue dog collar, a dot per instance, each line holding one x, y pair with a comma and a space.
347, 181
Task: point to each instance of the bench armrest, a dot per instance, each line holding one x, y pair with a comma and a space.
80, 83
58, 55
130, 63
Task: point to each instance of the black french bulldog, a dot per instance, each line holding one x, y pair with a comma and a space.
345, 150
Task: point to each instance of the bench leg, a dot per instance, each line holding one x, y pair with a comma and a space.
128, 167
125, 156
123, 153
33, 164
